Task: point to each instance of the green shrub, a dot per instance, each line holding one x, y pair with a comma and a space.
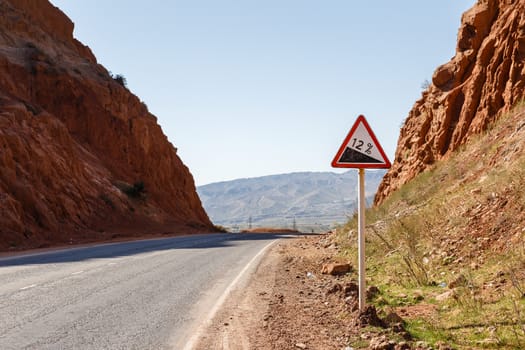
138, 190
119, 78
221, 229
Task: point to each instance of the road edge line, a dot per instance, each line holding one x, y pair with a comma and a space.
192, 342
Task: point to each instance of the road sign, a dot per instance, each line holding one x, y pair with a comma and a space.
360, 149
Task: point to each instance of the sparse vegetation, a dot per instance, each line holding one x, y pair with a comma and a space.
425, 84
119, 78
137, 190
107, 200
455, 234
219, 228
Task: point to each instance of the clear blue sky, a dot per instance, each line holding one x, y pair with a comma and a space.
247, 88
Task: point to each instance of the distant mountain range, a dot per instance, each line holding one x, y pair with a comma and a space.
306, 200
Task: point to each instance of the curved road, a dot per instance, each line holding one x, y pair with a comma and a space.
149, 294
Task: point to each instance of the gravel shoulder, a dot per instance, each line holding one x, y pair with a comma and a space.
241, 320
284, 305
289, 303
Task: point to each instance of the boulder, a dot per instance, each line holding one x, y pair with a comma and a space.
336, 268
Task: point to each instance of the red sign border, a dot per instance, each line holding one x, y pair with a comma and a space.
335, 161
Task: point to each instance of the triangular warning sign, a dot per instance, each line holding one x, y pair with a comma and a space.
360, 149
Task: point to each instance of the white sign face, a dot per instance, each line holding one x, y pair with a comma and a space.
361, 149
362, 142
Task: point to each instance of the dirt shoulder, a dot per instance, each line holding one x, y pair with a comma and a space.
285, 304
290, 304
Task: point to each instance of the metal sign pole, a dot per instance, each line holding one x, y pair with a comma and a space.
361, 239
360, 149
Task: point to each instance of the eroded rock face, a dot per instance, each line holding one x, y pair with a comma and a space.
73, 141
483, 80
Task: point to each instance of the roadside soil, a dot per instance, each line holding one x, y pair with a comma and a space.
290, 304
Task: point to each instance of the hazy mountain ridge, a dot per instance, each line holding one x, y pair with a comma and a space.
311, 198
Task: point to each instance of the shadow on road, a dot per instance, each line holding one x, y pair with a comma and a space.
113, 250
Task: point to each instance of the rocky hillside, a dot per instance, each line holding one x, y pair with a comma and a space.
447, 249
81, 157
482, 81
445, 242
313, 200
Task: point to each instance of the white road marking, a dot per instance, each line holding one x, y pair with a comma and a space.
77, 273
192, 342
28, 287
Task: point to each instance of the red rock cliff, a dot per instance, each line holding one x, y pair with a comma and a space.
73, 142
483, 80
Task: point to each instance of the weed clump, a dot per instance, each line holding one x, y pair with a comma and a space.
119, 78
137, 190
220, 229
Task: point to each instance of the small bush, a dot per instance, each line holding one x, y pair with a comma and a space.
138, 190
119, 78
107, 200
425, 84
221, 229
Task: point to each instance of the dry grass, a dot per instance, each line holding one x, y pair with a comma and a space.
461, 225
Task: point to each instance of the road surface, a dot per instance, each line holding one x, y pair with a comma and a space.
150, 294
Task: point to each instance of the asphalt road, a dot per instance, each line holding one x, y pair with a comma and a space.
149, 294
